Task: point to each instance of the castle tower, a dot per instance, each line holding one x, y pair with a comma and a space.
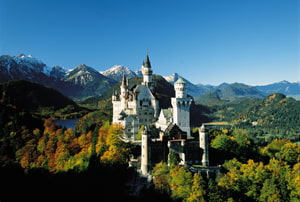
123, 88
181, 107
145, 147
203, 144
147, 72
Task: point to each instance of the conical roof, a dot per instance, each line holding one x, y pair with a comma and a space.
146, 62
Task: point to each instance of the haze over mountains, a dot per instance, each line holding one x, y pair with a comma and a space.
84, 81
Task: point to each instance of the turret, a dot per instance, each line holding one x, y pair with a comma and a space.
145, 160
203, 144
147, 72
181, 106
123, 88
180, 88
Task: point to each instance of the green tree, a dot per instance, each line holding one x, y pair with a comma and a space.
161, 172
197, 192
294, 183
174, 158
181, 182
270, 191
289, 152
224, 143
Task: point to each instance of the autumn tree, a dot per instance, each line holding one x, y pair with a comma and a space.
181, 182
197, 192
161, 177
117, 151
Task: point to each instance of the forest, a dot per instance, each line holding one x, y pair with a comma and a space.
259, 156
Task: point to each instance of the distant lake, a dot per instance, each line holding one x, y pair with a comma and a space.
68, 123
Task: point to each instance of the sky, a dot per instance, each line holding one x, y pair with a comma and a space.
205, 41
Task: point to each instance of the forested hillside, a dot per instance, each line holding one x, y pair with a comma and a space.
258, 154
276, 116
38, 99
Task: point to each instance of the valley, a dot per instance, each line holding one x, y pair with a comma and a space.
81, 162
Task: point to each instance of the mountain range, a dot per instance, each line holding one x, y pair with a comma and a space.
84, 81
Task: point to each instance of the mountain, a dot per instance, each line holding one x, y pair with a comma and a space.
23, 67
80, 82
116, 73
283, 87
92, 82
229, 93
58, 72
192, 89
84, 81
28, 68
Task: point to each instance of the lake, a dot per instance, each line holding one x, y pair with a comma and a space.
68, 123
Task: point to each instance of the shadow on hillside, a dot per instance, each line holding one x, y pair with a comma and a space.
97, 183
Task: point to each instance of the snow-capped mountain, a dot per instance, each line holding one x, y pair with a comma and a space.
85, 81
79, 82
58, 72
116, 73
89, 79
22, 67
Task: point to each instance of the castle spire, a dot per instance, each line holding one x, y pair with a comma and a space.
147, 72
146, 62
124, 83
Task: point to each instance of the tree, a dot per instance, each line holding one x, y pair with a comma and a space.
198, 190
224, 143
174, 158
289, 152
294, 183
160, 174
270, 191
181, 182
61, 156
118, 151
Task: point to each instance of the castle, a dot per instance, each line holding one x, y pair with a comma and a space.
162, 131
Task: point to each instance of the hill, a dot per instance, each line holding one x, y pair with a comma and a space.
271, 117
36, 98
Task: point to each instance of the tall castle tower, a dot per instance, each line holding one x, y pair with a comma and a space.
181, 107
145, 160
123, 89
203, 144
147, 72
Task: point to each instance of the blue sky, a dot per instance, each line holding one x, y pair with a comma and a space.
205, 41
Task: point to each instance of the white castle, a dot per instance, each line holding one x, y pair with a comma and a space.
138, 107
164, 130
